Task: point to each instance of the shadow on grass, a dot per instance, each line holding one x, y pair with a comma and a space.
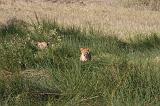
73, 38
142, 42
14, 27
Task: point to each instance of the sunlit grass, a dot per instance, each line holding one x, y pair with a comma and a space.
145, 4
112, 19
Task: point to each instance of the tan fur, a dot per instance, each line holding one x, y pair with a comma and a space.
85, 54
42, 45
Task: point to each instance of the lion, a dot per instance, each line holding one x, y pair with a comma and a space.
85, 54
42, 45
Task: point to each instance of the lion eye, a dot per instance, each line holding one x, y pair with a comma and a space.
86, 54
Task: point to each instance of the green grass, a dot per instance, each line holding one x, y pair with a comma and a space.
120, 73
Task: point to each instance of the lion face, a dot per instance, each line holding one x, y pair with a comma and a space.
42, 45
85, 54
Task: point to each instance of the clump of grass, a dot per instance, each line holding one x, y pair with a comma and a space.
13, 27
120, 73
19, 48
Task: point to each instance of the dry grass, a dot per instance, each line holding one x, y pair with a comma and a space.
85, 13
142, 4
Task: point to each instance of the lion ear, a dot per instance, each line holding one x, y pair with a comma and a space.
38, 42
81, 49
88, 49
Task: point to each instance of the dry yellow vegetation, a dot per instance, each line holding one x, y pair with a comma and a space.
100, 14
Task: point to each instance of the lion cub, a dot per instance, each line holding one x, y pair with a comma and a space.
42, 45
85, 54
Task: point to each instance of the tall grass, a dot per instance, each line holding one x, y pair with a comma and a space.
149, 4
120, 73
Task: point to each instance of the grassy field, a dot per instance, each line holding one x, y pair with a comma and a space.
124, 43
120, 73
143, 4
106, 15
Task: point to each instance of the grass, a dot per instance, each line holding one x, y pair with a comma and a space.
120, 73
148, 4
113, 19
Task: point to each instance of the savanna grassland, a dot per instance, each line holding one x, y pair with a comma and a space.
110, 16
124, 38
